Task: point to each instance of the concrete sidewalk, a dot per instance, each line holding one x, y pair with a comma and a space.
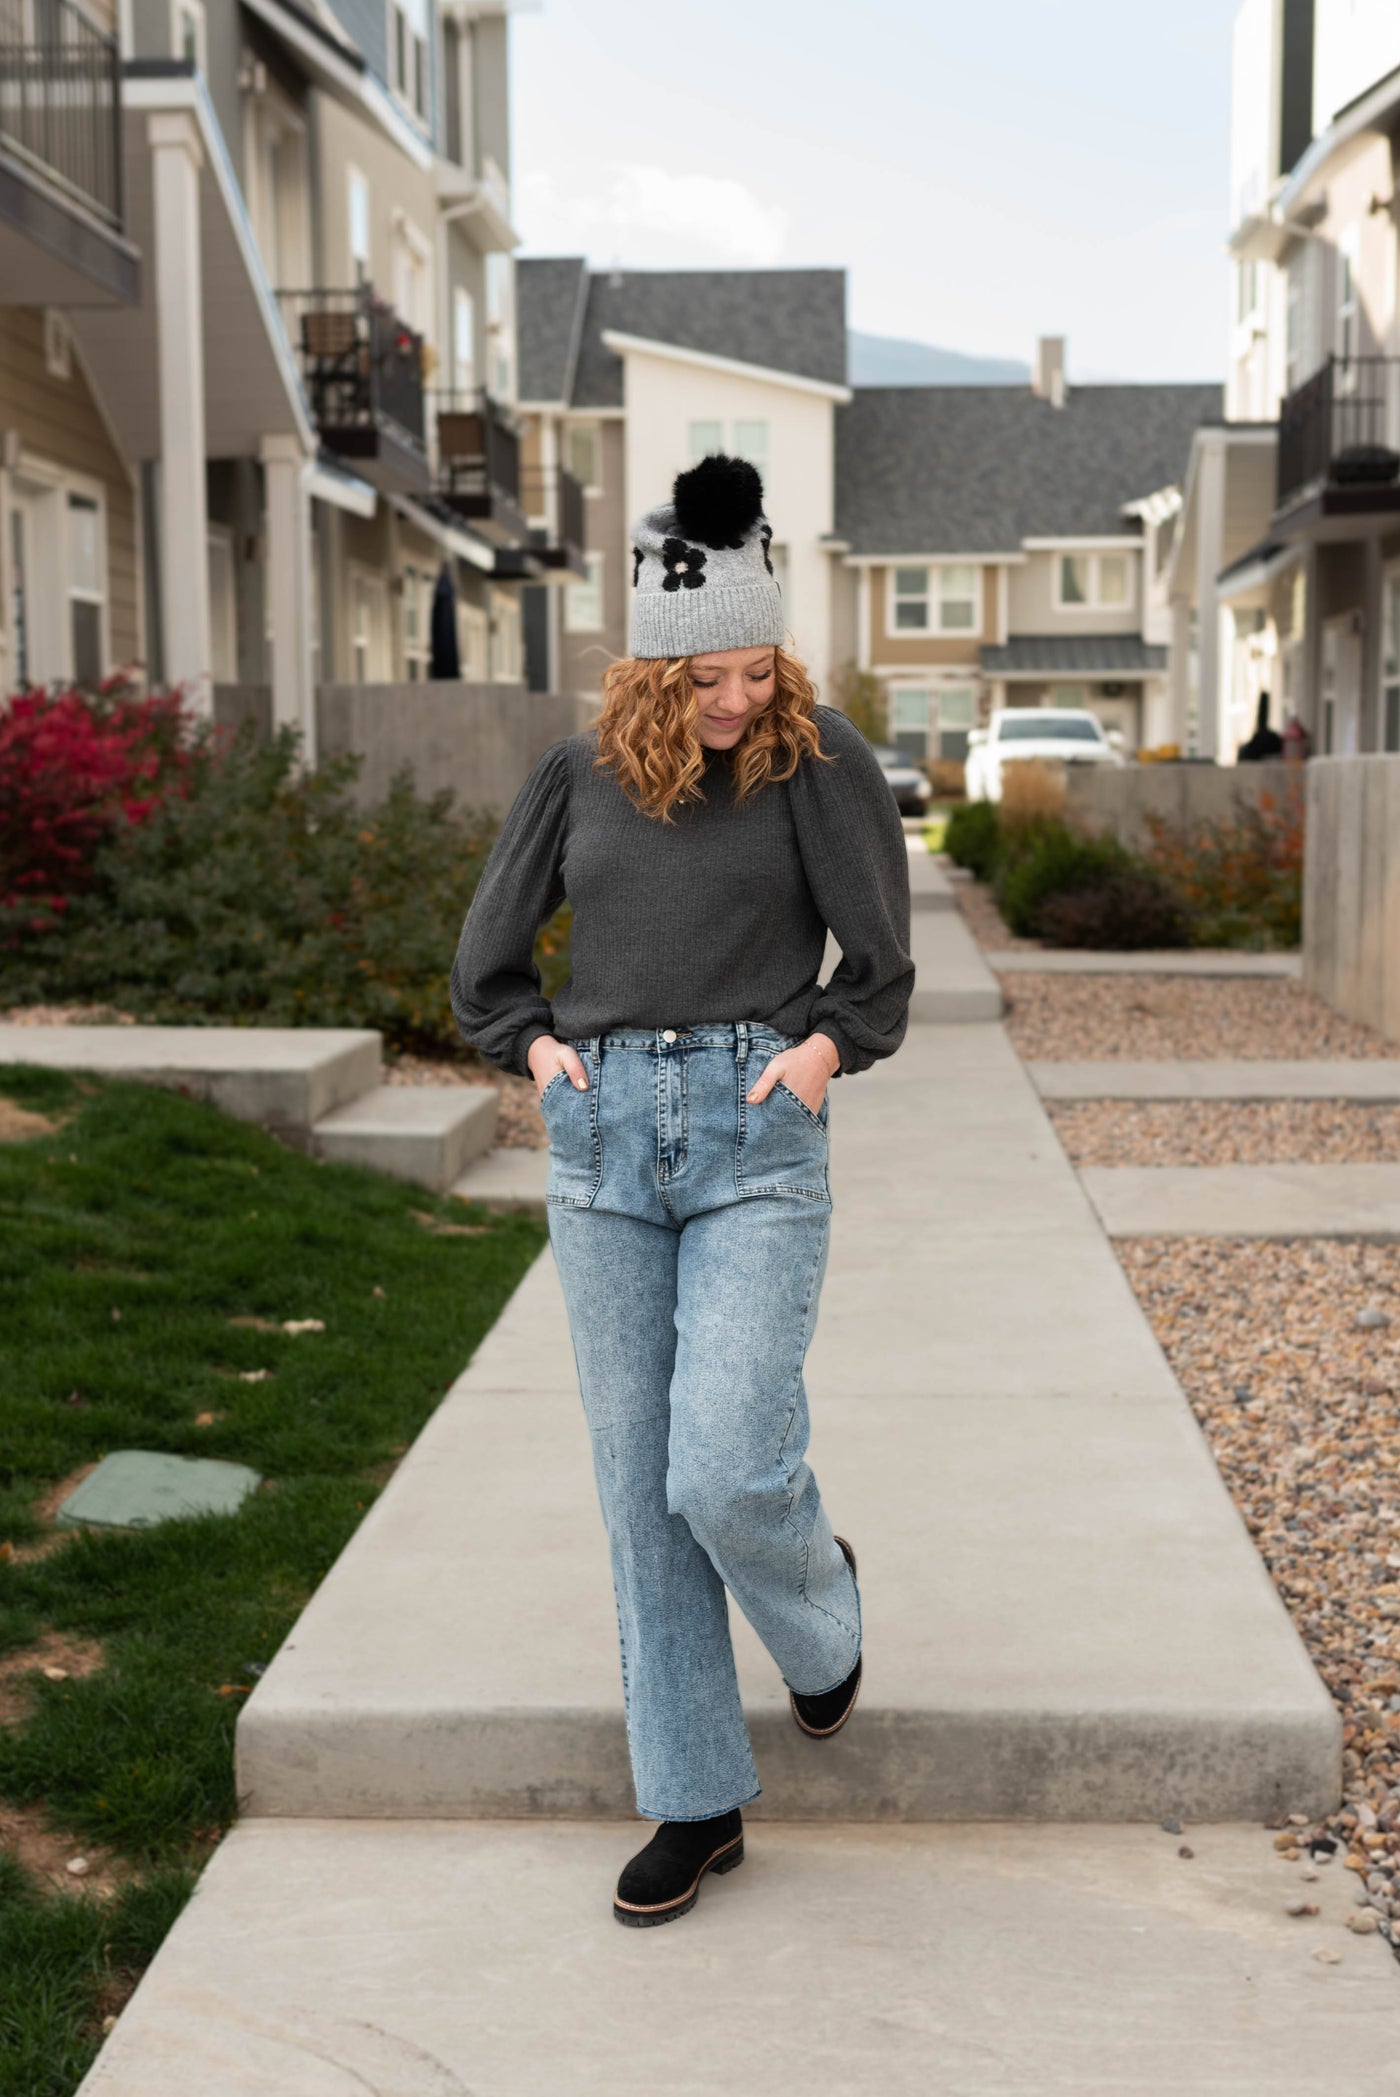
1376, 1080
1246, 1201
1164, 961
1065, 1615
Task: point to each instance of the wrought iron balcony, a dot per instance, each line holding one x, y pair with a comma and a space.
60, 102
1337, 434
555, 495
362, 370
478, 463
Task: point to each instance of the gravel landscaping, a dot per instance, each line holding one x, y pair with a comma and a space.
1290, 1358
1227, 1132
1053, 1019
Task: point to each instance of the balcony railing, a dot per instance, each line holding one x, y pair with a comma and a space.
557, 496
1339, 427
478, 460
362, 368
60, 101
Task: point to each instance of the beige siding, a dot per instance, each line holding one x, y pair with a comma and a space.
1032, 598
59, 424
585, 656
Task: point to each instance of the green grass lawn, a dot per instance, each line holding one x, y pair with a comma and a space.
134, 1229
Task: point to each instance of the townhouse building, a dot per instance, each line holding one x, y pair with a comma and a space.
1286, 570
629, 376
295, 410
1004, 546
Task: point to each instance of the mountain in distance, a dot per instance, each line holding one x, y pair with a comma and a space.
889, 360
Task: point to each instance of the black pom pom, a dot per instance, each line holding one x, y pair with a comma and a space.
719, 501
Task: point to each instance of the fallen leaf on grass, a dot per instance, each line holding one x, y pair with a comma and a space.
254, 1375
296, 1325
235, 1689
449, 1230
257, 1324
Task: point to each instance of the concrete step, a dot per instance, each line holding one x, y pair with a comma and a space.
1247, 1201
929, 886
425, 1133
1167, 961
1377, 1081
952, 982
507, 1178
287, 1078
431, 1960
1065, 1615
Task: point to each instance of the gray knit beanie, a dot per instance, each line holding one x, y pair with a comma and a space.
701, 574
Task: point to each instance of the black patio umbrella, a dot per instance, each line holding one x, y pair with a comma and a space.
445, 661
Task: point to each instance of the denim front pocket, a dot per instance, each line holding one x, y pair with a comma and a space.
575, 1146
782, 1145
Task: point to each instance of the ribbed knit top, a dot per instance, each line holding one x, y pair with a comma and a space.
721, 914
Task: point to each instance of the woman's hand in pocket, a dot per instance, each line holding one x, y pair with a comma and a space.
546, 1057
805, 1070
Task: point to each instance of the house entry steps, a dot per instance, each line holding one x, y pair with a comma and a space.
318, 1088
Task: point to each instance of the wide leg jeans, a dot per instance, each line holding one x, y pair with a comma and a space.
690, 1227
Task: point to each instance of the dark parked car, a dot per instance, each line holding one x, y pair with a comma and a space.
908, 783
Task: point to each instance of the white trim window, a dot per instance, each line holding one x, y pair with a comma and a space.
417, 622
583, 601
1348, 338
357, 223
87, 586
473, 641
751, 441
957, 717
463, 340
706, 437
408, 54
500, 324
223, 606
369, 626
938, 599
583, 451
187, 33
507, 653
412, 257
1093, 582
910, 712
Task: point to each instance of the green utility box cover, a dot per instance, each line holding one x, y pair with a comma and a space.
136, 1488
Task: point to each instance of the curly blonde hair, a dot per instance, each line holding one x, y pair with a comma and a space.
646, 731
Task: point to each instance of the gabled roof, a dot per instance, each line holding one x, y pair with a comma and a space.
979, 469
550, 295
788, 320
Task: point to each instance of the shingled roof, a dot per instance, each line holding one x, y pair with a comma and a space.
1080, 655
550, 295
978, 469
790, 320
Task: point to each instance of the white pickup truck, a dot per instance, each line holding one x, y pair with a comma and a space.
1071, 734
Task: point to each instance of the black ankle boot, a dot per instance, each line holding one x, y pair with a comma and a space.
663, 1880
825, 1714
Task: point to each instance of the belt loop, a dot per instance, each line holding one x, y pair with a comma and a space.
596, 1046
741, 1039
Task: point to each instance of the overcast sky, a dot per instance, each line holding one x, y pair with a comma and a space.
985, 172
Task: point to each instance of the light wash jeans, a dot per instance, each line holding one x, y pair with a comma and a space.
689, 1227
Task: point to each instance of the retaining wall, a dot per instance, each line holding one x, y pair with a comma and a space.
1181, 794
479, 739
1351, 888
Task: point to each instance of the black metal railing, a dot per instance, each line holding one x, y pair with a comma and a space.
1340, 426
361, 365
478, 453
60, 101
554, 493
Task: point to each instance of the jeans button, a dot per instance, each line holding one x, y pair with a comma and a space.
668, 1034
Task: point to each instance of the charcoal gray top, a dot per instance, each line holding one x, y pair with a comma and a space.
721, 914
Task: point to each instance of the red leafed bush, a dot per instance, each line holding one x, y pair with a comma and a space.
74, 768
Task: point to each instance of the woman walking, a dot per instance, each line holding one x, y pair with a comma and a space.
707, 830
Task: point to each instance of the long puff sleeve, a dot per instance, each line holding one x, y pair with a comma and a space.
857, 866
495, 985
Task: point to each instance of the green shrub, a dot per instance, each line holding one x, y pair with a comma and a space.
1062, 885
973, 838
265, 896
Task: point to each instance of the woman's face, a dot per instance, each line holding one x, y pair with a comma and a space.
731, 685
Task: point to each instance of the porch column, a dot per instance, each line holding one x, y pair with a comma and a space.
176, 160
1368, 726
1179, 675
1210, 524
289, 588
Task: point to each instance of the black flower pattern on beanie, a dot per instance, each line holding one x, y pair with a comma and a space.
637, 558
684, 564
766, 539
